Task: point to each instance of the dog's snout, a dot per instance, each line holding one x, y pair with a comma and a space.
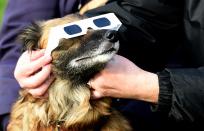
111, 35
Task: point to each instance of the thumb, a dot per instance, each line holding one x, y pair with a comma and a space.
95, 94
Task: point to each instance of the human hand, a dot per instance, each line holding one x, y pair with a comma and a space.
33, 71
123, 79
91, 5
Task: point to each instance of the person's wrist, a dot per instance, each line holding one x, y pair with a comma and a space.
154, 88
150, 87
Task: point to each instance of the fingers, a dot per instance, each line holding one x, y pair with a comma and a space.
37, 54
96, 91
83, 9
91, 5
33, 71
97, 81
37, 79
26, 67
31, 74
95, 94
38, 64
41, 90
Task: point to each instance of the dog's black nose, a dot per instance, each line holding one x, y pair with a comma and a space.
111, 35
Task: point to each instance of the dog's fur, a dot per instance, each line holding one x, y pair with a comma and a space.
68, 106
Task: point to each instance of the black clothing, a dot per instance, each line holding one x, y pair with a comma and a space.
166, 35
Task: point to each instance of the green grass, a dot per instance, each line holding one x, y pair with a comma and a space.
2, 8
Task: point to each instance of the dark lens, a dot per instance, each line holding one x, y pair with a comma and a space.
72, 29
101, 22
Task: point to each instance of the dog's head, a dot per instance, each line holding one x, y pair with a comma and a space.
77, 58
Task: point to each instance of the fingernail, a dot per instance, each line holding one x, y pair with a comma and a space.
89, 83
96, 95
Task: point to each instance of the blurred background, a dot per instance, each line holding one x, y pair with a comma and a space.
2, 8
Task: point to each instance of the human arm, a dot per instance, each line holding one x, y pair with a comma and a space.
18, 14
181, 94
177, 93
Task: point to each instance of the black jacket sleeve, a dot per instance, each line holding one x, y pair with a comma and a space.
182, 94
182, 90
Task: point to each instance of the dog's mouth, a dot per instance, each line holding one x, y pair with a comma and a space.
109, 52
105, 52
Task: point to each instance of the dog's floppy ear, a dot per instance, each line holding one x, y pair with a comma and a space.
30, 37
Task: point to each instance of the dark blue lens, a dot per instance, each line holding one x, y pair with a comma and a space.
72, 29
101, 22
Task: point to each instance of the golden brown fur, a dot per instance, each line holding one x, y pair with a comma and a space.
68, 106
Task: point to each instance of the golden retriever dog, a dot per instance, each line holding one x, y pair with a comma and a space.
68, 106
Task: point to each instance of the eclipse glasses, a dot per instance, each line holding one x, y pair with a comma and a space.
78, 28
